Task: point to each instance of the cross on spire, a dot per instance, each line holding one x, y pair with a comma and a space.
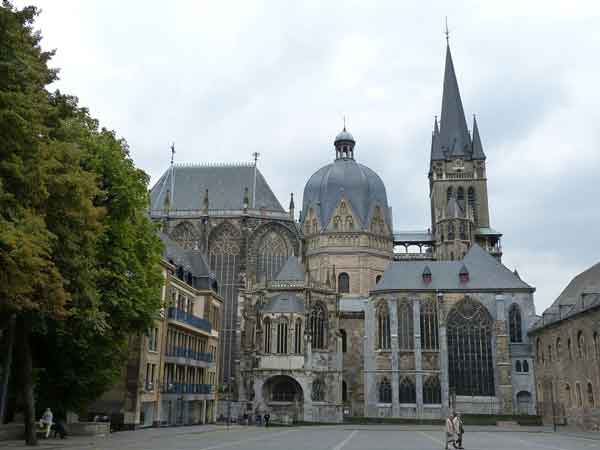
172, 152
447, 32
344, 122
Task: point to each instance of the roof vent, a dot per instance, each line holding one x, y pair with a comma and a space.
426, 275
463, 274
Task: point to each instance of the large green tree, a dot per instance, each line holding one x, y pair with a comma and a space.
78, 255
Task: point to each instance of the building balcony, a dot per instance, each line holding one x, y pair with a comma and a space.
186, 356
189, 319
187, 388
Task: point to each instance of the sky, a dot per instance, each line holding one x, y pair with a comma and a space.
225, 79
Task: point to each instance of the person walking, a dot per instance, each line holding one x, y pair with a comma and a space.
267, 417
458, 429
46, 421
450, 432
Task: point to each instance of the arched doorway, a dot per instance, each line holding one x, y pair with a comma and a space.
284, 399
470, 358
523, 402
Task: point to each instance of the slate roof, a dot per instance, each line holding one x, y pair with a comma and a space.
352, 304
191, 260
292, 270
361, 186
284, 303
187, 185
485, 273
453, 138
581, 294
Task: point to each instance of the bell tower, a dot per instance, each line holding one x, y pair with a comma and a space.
457, 179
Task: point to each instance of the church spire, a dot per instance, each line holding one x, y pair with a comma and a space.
454, 139
477, 147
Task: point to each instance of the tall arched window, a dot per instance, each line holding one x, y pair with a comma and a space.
318, 326
385, 391
518, 367
405, 325
568, 396
273, 252
282, 335
298, 336
514, 323
429, 326
432, 392
383, 327
469, 333
525, 366
344, 392
344, 340
267, 328
462, 231
451, 231
449, 194
579, 396
407, 391
460, 196
318, 390
590, 394
558, 349
570, 348
343, 283
472, 203
580, 345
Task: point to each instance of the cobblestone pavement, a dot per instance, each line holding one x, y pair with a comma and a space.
342, 437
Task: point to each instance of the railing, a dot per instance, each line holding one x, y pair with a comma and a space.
190, 319
459, 176
181, 352
187, 388
413, 256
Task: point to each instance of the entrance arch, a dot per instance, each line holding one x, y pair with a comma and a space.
523, 402
284, 398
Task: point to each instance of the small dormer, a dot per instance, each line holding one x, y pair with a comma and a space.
426, 275
463, 275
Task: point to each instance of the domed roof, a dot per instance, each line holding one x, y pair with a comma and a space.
359, 185
344, 136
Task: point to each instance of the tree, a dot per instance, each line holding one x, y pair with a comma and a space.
78, 255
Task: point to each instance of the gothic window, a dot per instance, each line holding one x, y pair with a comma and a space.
405, 325
590, 393
282, 335
558, 348
318, 390
460, 196
315, 226
518, 367
185, 234
514, 323
267, 328
580, 345
383, 327
570, 349
349, 223
407, 391
469, 332
549, 353
343, 283
318, 326
344, 340
462, 231
432, 392
385, 391
450, 231
273, 252
298, 337
525, 366
429, 326
449, 194
344, 392
337, 222
472, 203
579, 396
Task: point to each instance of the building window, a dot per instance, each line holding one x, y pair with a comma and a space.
432, 392
267, 327
318, 326
462, 230
383, 327
579, 396
405, 325
449, 194
429, 326
344, 339
407, 391
472, 203
298, 337
344, 392
318, 390
518, 367
343, 283
514, 323
568, 397
570, 349
451, 232
153, 339
550, 353
385, 391
470, 364
590, 393
580, 345
282, 335
525, 366
558, 348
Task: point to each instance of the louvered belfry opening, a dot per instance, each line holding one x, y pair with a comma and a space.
470, 362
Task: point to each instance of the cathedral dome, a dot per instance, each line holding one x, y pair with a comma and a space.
345, 178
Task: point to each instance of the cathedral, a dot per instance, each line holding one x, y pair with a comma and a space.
333, 313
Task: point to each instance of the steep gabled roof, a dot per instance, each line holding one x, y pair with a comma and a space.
477, 147
292, 270
187, 185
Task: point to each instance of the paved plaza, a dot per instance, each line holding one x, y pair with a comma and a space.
342, 437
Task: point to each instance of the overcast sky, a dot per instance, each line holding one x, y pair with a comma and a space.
225, 79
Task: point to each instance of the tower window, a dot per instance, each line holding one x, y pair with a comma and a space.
344, 283
449, 194
344, 340
460, 196
472, 203
514, 323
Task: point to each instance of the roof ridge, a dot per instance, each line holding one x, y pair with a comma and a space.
214, 164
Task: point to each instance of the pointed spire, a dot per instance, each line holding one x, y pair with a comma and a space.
454, 137
477, 147
292, 206
436, 153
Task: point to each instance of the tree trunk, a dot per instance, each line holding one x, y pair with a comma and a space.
7, 366
24, 327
